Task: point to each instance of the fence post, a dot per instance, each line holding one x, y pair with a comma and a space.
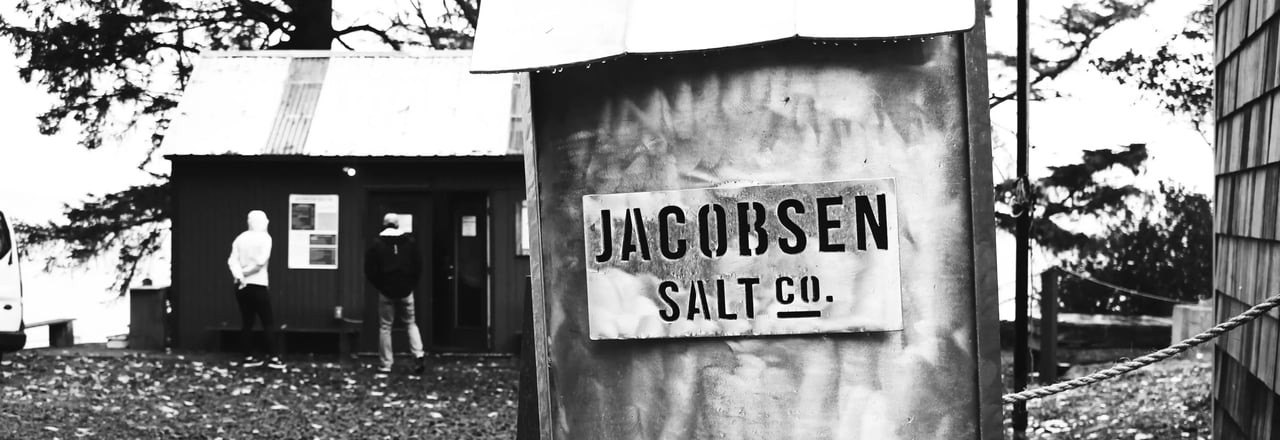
527, 389
1049, 325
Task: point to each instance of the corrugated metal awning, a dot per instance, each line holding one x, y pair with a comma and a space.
319, 103
517, 35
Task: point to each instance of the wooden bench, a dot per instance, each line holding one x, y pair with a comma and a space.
344, 331
61, 331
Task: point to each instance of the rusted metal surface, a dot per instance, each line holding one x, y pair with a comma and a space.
787, 113
536, 34
754, 260
985, 283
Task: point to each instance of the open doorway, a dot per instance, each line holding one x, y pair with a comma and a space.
452, 301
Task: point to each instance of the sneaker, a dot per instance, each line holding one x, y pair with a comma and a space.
275, 364
420, 366
383, 370
251, 362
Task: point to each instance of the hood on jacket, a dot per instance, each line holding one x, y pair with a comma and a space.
257, 221
391, 225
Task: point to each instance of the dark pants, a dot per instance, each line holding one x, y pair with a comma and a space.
254, 301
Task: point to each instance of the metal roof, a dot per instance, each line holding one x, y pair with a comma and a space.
320, 103
534, 34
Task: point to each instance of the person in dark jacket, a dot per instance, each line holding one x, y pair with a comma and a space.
393, 265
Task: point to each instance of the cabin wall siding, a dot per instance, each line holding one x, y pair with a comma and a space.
1246, 230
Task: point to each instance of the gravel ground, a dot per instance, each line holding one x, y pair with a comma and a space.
1168, 400
140, 395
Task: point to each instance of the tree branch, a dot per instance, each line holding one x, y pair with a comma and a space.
395, 45
470, 12
343, 43
1074, 21
263, 13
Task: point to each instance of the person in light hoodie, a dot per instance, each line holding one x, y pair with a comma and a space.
250, 253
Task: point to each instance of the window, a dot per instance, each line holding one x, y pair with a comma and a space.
522, 228
6, 241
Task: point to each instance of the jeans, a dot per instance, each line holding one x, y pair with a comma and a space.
388, 309
255, 302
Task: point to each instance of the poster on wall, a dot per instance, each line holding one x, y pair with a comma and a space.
313, 231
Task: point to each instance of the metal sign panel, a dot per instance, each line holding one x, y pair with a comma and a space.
539, 34
788, 112
755, 260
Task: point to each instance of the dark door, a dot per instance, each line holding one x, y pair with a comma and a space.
414, 210
461, 318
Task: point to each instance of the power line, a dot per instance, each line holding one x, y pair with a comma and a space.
1125, 290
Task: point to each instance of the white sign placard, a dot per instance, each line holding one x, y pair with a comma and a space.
468, 226
405, 223
313, 231
757, 260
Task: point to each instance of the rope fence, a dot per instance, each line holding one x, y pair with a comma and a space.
1127, 366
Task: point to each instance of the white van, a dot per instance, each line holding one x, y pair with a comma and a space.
12, 337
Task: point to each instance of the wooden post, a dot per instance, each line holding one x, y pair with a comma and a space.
527, 390
1021, 353
1049, 325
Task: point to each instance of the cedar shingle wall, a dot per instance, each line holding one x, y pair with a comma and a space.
1247, 233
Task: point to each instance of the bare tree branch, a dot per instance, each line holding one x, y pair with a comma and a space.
440, 32
343, 43
395, 45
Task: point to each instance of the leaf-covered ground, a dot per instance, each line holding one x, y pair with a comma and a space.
44, 395
135, 395
1168, 400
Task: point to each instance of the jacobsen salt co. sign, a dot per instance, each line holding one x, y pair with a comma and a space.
755, 260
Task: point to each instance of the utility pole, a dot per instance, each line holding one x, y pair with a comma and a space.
1021, 354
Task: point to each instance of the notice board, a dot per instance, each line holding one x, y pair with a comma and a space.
892, 133
313, 231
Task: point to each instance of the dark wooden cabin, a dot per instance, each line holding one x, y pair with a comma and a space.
1246, 232
296, 133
